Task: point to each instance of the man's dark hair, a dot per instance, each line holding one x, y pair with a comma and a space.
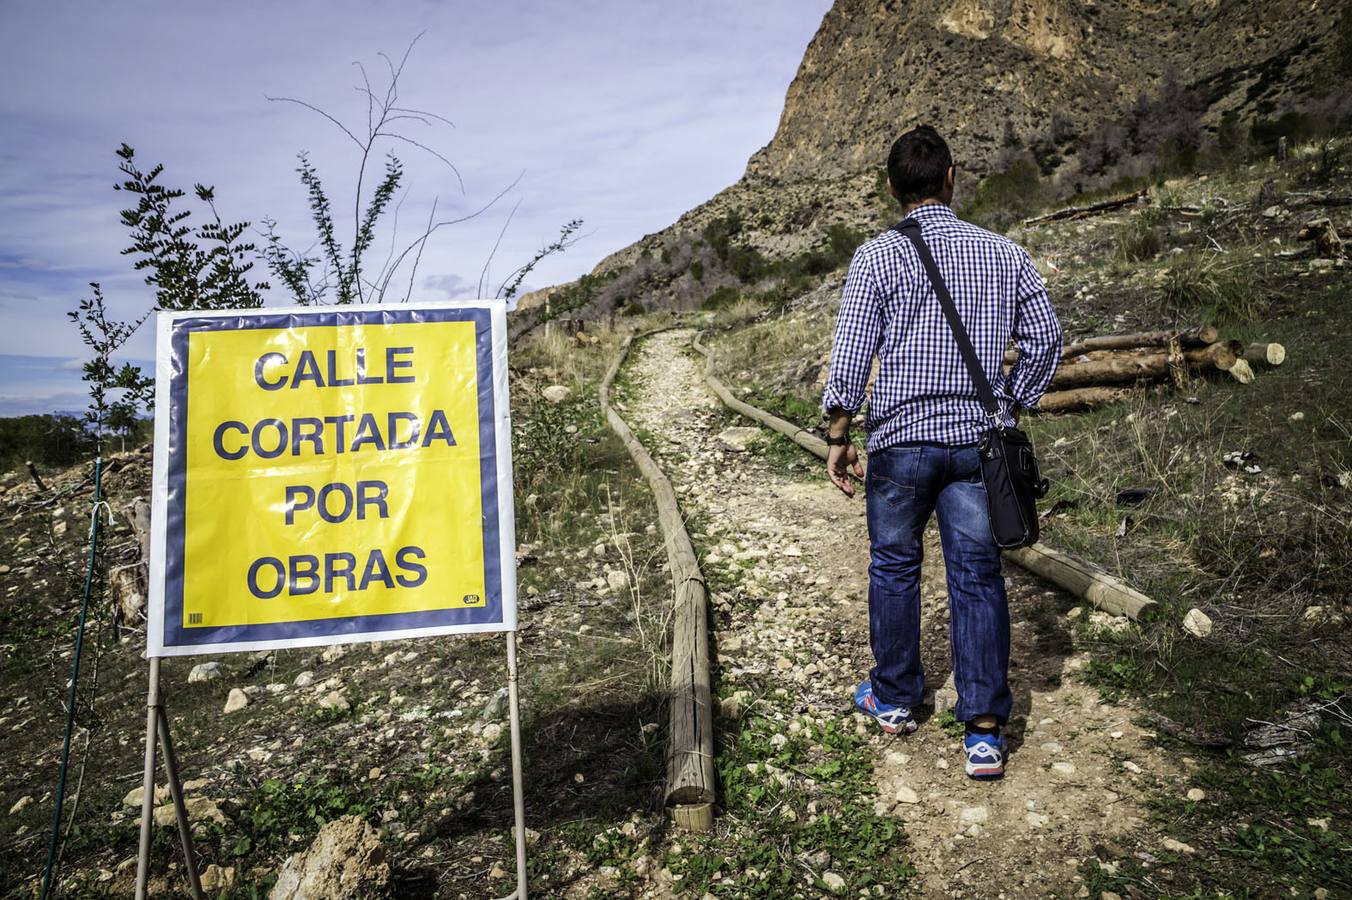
918, 165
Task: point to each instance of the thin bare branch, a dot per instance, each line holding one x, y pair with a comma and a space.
422, 112
313, 108
433, 228
394, 237
483, 275
421, 146
417, 259
370, 97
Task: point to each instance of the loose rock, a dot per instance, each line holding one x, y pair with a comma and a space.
556, 393
346, 861
738, 438
1197, 623
334, 700
207, 671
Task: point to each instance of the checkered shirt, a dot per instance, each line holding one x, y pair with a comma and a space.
889, 310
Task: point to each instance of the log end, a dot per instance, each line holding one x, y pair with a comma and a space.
693, 816
1241, 371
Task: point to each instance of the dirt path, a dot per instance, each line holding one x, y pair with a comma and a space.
800, 549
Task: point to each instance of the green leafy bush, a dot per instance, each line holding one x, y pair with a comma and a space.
280, 812
1005, 198
48, 440
721, 298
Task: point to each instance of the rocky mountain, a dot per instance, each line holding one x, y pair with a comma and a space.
1054, 75
971, 66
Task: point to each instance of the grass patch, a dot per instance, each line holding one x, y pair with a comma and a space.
763, 769
1222, 292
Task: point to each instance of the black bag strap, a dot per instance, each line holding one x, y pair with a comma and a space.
911, 229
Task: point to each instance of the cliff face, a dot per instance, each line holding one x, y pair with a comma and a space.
980, 70
967, 67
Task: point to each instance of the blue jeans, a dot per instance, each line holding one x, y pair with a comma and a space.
905, 484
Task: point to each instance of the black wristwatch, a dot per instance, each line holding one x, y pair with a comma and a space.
842, 441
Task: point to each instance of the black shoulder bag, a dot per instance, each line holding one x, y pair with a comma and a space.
1008, 468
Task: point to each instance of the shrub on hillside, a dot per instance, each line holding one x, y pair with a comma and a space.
1141, 239
1004, 198
721, 298
1224, 294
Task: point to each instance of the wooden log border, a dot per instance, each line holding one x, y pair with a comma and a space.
690, 791
1071, 573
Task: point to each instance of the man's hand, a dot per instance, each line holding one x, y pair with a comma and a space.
841, 464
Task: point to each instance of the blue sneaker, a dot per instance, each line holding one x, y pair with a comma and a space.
892, 719
985, 755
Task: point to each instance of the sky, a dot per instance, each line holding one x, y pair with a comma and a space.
623, 113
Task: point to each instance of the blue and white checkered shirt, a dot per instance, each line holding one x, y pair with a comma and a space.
889, 309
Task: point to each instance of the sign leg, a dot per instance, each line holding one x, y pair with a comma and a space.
518, 792
148, 781
176, 790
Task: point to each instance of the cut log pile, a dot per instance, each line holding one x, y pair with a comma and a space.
1096, 371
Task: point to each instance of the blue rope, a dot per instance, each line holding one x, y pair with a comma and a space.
74, 679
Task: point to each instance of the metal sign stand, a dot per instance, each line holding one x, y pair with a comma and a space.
157, 735
518, 793
157, 724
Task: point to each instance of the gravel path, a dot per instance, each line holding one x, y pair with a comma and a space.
796, 615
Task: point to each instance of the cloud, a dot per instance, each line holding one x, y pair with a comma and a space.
449, 287
622, 113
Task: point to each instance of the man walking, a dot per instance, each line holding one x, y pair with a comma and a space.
924, 422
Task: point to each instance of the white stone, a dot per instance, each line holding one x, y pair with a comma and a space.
216, 878
206, 671
136, 794
974, 815
617, 580
1197, 623
833, 882
907, 795
492, 731
198, 808
1063, 768
1174, 846
334, 700
21, 804
304, 679
1131, 767
236, 701
1036, 820
556, 393
1196, 795
738, 438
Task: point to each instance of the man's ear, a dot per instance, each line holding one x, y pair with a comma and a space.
951, 177
890, 189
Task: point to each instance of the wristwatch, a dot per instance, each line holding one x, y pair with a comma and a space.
842, 441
